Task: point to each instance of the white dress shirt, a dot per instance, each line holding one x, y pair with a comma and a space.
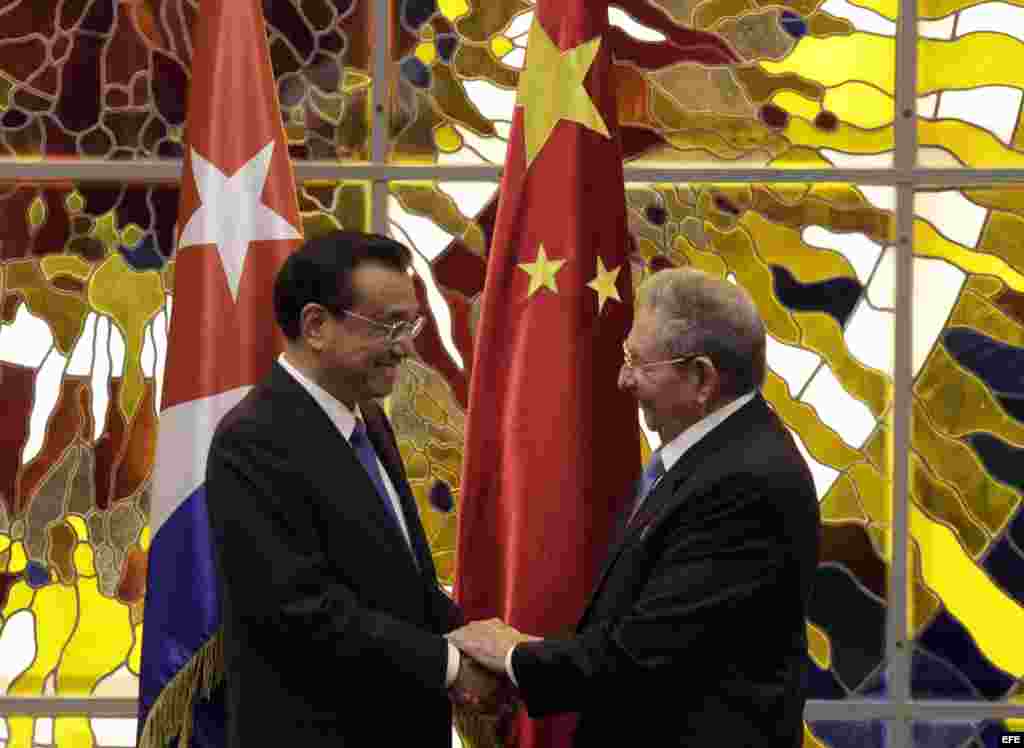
670, 454
345, 421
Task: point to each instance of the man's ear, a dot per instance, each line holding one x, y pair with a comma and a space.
313, 322
709, 387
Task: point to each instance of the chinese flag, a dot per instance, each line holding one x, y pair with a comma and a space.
238, 221
552, 447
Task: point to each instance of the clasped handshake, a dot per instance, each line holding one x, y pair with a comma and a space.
483, 684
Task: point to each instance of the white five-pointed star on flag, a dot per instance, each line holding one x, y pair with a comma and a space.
232, 213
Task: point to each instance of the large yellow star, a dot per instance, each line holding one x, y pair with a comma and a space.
551, 89
604, 284
541, 271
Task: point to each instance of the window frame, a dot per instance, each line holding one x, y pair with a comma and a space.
900, 709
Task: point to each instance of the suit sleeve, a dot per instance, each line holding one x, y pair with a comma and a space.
710, 566
269, 548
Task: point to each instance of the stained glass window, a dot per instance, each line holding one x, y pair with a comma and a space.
103, 80
859, 369
836, 733
447, 225
969, 114
965, 483
978, 733
457, 77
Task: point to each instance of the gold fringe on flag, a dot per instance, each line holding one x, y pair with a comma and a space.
478, 730
171, 714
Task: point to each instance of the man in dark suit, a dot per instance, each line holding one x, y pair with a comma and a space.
333, 615
695, 632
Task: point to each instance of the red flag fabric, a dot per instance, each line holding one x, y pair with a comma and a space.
234, 238
553, 447
238, 220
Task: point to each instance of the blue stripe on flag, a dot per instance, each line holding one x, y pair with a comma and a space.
185, 613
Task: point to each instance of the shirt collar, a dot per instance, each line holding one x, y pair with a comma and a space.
671, 452
342, 418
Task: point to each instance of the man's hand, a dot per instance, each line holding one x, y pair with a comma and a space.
488, 642
480, 690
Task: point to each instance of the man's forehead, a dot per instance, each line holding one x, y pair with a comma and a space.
376, 274
383, 288
389, 306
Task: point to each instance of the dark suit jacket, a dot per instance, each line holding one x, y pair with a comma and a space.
695, 632
332, 633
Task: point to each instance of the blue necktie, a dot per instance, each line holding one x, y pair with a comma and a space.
654, 469
364, 450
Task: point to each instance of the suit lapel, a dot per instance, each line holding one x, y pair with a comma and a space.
630, 528
338, 458
702, 464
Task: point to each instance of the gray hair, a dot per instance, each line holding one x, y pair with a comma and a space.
699, 313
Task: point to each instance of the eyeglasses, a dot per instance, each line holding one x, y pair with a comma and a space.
628, 365
397, 332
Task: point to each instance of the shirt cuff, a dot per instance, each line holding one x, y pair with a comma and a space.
508, 668
454, 661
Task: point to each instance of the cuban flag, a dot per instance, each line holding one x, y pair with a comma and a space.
238, 220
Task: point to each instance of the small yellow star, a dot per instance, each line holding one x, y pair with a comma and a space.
541, 271
551, 89
604, 284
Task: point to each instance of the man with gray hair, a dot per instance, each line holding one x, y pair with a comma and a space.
695, 632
